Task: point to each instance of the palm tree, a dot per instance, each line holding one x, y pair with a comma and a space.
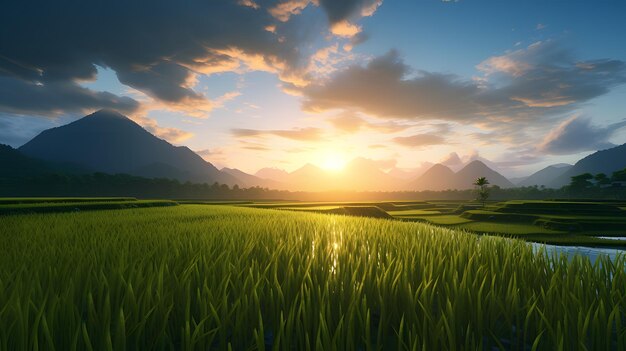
482, 189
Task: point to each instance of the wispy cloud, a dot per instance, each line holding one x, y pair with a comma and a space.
299, 134
419, 140
578, 134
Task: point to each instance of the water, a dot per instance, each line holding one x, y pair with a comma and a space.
612, 237
592, 252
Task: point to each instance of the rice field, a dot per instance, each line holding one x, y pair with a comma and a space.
197, 277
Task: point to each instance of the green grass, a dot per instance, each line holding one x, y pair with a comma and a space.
443, 219
75, 206
196, 277
409, 213
507, 228
311, 208
31, 200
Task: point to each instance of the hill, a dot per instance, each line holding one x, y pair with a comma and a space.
604, 161
276, 174
14, 164
250, 180
440, 177
546, 175
109, 142
475, 169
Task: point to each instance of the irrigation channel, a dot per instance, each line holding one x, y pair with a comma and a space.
592, 252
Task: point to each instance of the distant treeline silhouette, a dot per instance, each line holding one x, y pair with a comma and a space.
101, 184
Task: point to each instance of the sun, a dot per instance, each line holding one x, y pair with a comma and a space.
334, 163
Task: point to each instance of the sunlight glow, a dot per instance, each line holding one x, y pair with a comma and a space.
334, 163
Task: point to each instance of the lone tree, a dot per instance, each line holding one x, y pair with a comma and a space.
482, 189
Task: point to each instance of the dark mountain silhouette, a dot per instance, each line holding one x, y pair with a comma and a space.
546, 175
13, 163
109, 142
604, 161
440, 177
250, 180
279, 175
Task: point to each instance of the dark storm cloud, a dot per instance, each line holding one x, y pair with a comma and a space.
340, 10
153, 46
578, 134
523, 85
19, 96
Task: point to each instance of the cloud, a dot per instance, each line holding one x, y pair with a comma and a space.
158, 49
55, 98
338, 11
419, 140
341, 14
285, 9
381, 88
452, 160
173, 135
299, 134
578, 134
519, 87
545, 76
349, 122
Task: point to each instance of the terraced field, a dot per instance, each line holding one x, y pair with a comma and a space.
198, 277
593, 223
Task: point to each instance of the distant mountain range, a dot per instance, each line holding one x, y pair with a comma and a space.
440, 177
545, 176
604, 161
109, 142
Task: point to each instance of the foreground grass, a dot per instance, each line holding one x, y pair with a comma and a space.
202, 277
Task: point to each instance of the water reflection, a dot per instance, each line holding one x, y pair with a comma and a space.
592, 252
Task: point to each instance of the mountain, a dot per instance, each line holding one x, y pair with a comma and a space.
545, 176
310, 178
276, 174
440, 177
250, 180
477, 169
15, 164
360, 174
517, 180
109, 142
409, 173
604, 161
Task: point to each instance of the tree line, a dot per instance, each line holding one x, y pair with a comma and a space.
100, 184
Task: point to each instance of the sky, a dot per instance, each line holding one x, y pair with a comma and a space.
250, 84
